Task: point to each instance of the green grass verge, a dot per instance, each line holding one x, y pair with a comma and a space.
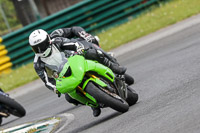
18, 77
167, 14
159, 17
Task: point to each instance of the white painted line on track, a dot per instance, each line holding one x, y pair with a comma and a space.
42, 125
70, 118
27, 127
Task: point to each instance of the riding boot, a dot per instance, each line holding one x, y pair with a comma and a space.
129, 79
113, 66
102, 58
71, 100
96, 111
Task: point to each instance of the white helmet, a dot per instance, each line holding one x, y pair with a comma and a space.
40, 41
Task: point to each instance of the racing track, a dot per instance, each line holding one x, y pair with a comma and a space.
167, 75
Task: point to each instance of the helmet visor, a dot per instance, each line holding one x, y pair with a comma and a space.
41, 47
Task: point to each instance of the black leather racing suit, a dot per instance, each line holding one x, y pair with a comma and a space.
60, 40
69, 46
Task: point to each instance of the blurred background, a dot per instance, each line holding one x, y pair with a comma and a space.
18, 13
116, 22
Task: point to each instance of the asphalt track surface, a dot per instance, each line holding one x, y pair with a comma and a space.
167, 76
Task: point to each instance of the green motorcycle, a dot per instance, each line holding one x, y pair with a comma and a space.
90, 82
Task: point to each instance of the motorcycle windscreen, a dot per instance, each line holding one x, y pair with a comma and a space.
54, 64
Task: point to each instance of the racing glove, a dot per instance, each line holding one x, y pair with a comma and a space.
89, 37
79, 48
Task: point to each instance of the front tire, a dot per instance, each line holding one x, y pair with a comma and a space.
106, 99
12, 106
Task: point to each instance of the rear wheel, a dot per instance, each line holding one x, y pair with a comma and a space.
129, 79
107, 98
12, 106
132, 96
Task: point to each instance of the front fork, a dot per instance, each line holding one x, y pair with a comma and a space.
85, 98
121, 86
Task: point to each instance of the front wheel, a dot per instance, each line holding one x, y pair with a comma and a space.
12, 106
107, 98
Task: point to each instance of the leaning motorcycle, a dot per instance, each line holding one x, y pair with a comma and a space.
10, 106
91, 83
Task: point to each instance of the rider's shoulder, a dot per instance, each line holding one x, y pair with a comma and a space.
38, 63
60, 40
36, 59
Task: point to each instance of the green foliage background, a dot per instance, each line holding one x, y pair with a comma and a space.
11, 16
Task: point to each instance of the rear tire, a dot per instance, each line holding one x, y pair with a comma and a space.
132, 97
12, 106
129, 79
106, 99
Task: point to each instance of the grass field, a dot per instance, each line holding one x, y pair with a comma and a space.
159, 17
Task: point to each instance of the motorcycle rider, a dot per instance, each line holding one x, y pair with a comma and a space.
44, 45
